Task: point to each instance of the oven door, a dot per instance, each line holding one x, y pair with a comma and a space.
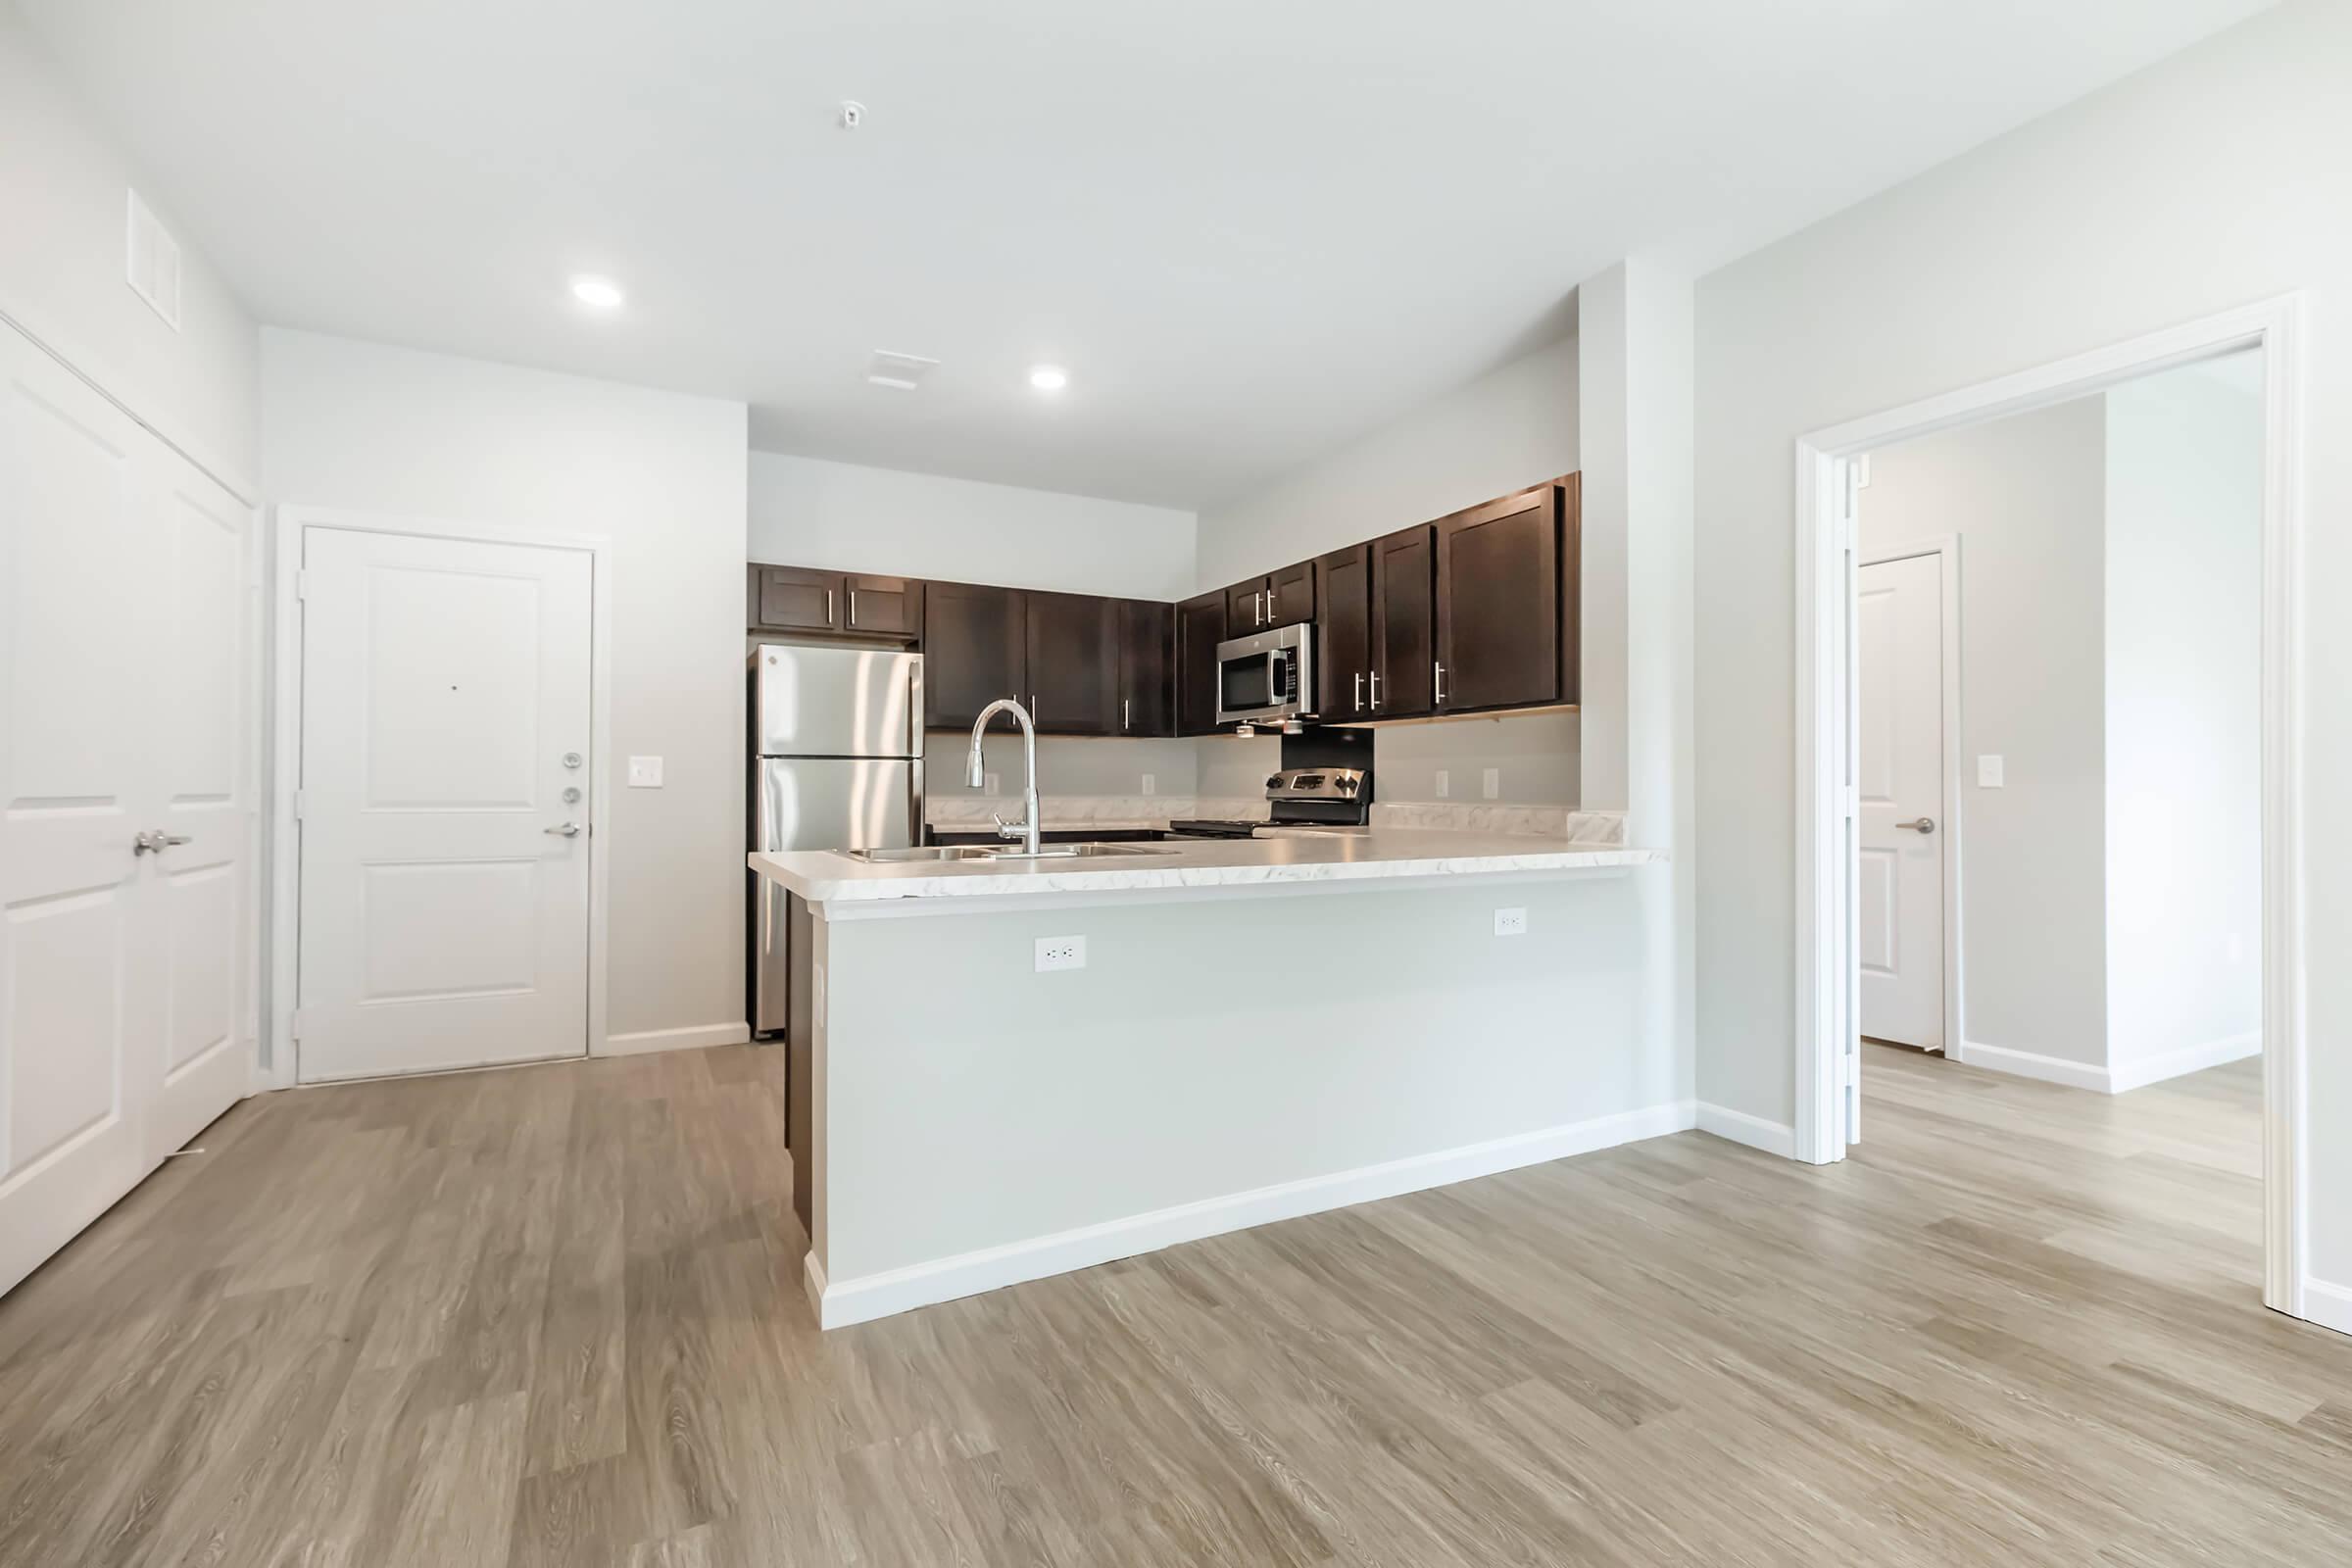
1266, 678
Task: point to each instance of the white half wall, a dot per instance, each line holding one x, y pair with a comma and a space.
2155, 202
2184, 713
808, 512
63, 205
372, 429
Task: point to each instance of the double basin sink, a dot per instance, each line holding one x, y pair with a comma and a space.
1005, 851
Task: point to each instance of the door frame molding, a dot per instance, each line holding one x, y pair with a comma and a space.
1825, 951
283, 916
1946, 548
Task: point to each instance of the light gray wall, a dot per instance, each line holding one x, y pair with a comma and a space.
64, 209
2152, 203
2027, 497
660, 475
2184, 718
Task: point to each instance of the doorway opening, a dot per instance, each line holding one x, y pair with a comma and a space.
1903, 811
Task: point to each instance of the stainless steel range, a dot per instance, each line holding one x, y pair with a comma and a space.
1300, 799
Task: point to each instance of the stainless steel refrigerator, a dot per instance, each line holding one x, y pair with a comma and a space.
836, 764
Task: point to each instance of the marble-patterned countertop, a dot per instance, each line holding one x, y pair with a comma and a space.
1380, 854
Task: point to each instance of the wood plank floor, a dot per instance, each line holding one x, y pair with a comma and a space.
554, 1316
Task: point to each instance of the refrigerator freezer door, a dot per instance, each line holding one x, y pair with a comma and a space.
836, 702
821, 803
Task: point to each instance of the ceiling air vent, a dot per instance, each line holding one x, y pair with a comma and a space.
154, 263
906, 372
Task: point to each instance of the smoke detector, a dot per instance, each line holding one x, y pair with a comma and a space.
853, 114
905, 371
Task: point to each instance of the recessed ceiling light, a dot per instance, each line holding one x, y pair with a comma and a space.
1048, 378
601, 292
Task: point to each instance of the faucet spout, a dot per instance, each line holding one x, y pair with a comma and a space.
1027, 828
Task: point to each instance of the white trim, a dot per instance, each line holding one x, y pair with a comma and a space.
284, 914
2033, 1064
693, 1037
2327, 1305
1823, 947
2126, 1076
841, 912
1947, 549
1772, 1137
813, 1281
840, 1303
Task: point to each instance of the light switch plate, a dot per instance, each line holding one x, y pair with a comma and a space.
1489, 783
1988, 773
645, 773
1151, 784
991, 784
1444, 784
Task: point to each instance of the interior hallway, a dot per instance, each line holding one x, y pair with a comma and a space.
554, 1316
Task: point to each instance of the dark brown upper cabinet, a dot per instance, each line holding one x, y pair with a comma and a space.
974, 650
797, 598
1146, 648
1499, 587
1403, 625
1285, 598
1199, 627
884, 607
1073, 662
1344, 634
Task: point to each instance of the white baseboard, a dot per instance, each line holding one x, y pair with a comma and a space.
2032, 1064
813, 1280
840, 1303
2131, 1075
2108, 1080
1772, 1137
2327, 1305
691, 1037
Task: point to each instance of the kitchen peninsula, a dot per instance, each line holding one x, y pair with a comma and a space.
1006, 1069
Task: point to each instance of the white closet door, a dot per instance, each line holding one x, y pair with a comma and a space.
445, 715
123, 973
1899, 628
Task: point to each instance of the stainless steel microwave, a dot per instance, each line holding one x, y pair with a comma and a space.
1268, 677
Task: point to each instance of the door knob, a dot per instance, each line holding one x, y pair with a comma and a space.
155, 841
1919, 824
565, 830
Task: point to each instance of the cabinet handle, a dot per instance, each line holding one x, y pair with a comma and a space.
1376, 691
1271, 592
828, 606
1257, 610
1439, 696
853, 608
1359, 691
1126, 719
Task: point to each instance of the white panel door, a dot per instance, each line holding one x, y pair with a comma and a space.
125, 621
1898, 629
445, 716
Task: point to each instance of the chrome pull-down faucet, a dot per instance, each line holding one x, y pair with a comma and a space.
975, 772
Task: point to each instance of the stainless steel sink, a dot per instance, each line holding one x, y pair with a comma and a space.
933, 853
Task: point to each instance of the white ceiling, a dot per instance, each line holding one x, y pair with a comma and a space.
1252, 229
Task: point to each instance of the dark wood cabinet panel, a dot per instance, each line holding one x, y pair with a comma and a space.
1499, 604
1073, 662
1344, 634
1291, 596
886, 606
1146, 667
1199, 627
974, 650
797, 598
1246, 608
1572, 587
1404, 625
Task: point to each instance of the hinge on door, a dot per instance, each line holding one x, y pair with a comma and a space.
302, 583
294, 1024
1850, 800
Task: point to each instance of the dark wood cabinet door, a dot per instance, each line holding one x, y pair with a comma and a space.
1403, 628
972, 651
1344, 634
1146, 667
1291, 596
796, 598
1199, 627
1246, 608
1499, 604
887, 607
1073, 659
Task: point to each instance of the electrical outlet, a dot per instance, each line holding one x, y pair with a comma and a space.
1988, 773
1060, 953
645, 773
1151, 784
1489, 783
1444, 784
1510, 922
990, 783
